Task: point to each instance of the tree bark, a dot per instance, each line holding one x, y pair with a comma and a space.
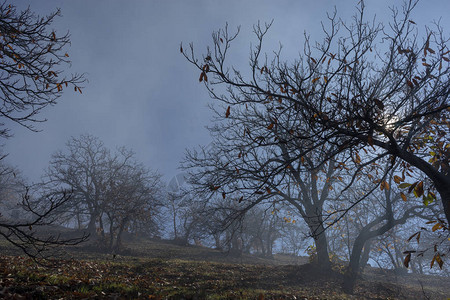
217, 241
444, 191
320, 239
365, 254
353, 268
92, 227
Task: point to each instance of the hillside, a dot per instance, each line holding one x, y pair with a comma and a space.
158, 269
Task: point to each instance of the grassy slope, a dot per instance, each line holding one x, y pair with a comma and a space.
160, 269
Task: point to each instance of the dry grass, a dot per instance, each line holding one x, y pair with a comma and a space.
160, 270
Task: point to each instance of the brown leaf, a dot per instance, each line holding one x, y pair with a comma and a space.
403, 196
240, 199
227, 114
407, 260
410, 238
357, 158
436, 226
418, 190
412, 186
397, 179
427, 43
370, 140
214, 188
224, 195
270, 126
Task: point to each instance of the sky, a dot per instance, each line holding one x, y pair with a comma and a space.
141, 92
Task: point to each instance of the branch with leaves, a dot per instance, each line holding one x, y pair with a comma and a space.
31, 61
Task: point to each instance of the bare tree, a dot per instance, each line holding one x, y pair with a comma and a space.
31, 60
133, 195
83, 169
380, 214
366, 87
113, 190
32, 57
254, 169
33, 211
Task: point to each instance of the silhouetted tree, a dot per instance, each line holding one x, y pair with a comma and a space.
82, 168
32, 57
113, 190
366, 87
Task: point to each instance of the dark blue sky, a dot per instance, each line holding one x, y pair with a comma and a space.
141, 92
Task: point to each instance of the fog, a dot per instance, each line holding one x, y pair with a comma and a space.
306, 146
141, 91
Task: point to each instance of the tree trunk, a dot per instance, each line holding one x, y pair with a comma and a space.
353, 268
365, 255
217, 241
320, 239
79, 222
444, 192
122, 227
92, 227
111, 234
118, 245
174, 221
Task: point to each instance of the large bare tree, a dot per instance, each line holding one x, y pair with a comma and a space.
367, 91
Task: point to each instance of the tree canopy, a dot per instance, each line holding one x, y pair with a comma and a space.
367, 93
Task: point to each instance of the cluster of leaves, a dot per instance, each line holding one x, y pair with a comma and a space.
440, 227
